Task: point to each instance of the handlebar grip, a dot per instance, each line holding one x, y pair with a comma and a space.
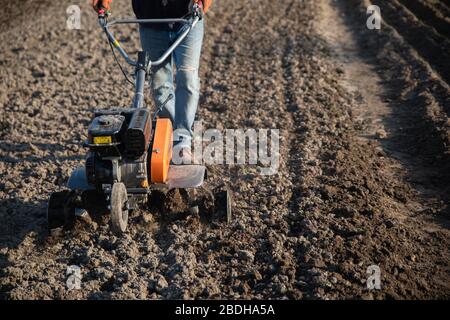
197, 10
102, 11
102, 17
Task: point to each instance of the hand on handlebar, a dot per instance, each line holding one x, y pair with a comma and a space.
196, 8
100, 5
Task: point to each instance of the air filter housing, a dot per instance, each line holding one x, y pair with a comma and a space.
138, 133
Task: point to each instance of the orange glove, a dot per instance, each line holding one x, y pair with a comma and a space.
206, 5
101, 4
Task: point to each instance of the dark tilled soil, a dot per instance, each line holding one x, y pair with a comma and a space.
364, 172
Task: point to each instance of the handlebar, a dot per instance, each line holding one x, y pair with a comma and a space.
191, 22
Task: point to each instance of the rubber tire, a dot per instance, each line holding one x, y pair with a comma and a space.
119, 216
223, 203
56, 217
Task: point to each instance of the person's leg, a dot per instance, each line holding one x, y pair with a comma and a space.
187, 92
156, 42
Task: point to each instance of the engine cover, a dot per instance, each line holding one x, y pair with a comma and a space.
106, 130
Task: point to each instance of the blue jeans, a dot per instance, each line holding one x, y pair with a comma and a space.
186, 90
